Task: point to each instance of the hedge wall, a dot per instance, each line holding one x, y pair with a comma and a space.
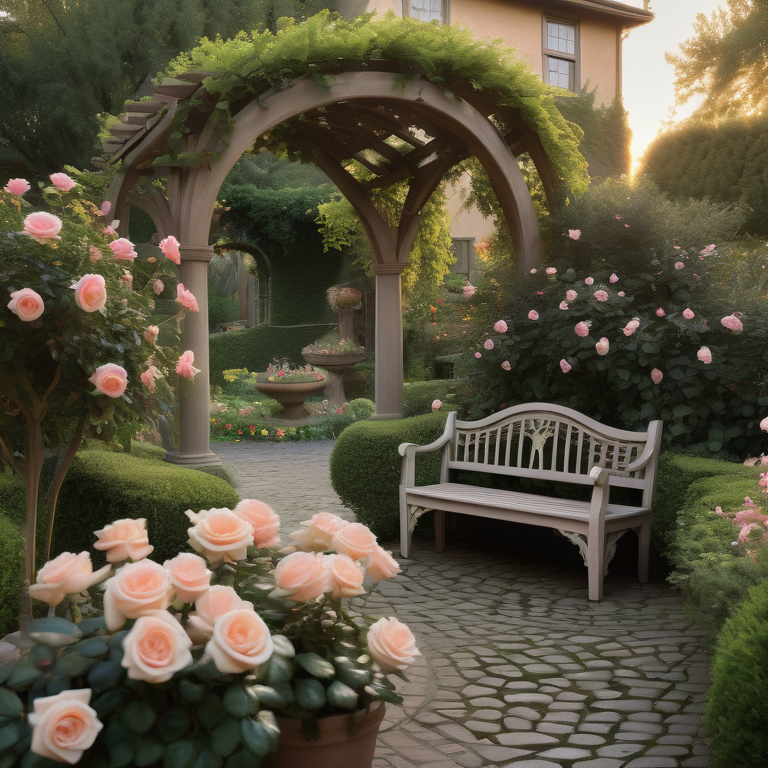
11, 573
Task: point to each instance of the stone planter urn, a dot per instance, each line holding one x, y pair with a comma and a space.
291, 395
337, 366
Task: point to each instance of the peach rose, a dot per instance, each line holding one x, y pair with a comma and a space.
392, 645
380, 565
264, 521
124, 540
67, 574
156, 648
127, 279
43, 227
64, 726
62, 181
26, 304
110, 380
94, 254
151, 334
319, 531
301, 576
137, 589
345, 576
91, 293
189, 576
170, 248
186, 298
355, 540
184, 366
437, 405
17, 186
240, 642
602, 346
123, 249
468, 291
219, 534
217, 601
158, 286
148, 377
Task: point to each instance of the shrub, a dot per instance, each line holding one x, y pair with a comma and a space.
103, 486
13, 496
365, 467
11, 574
738, 698
418, 396
361, 408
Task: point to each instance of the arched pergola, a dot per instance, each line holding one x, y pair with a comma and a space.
352, 118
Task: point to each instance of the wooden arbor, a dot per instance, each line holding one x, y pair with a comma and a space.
352, 119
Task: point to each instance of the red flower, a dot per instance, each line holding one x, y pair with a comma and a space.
281, 374
239, 431
280, 433
228, 426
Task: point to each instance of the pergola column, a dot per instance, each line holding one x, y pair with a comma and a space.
389, 342
194, 396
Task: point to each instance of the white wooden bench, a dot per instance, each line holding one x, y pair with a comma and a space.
542, 442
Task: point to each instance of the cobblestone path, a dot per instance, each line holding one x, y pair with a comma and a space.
518, 667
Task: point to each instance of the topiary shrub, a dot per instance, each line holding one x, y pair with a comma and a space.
418, 396
738, 698
13, 496
360, 409
11, 574
102, 486
365, 467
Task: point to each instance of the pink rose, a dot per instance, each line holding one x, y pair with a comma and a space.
380, 565
137, 589
124, 540
17, 186
156, 648
732, 323
26, 304
563, 305
190, 576
64, 726
219, 534
355, 540
110, 380
110, 230
392, 645
688, 314
151, 334
62, 181
186, 298
264, 522
581, 329
301, 576
148, 377
656, 376
506, 365
43, 227
437, 405
500, 326
488, 344
601, 295
551, 271
468, 291
127, 279
319, 531
170, 248
67, 574
708, 249
94, 254
571, 295
614, 278
764, 424
602, 346
478, 355
91, 293
621, 294
660, 312
184, 367
617, 217
106, 207
746, 530
217, 601
345, 576
574, 234
565, 366
704, 355
240, 642
631, 326
123, 249
589, 280
679, 265
533, 315
158, 286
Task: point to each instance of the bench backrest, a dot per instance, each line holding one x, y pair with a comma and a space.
551, 442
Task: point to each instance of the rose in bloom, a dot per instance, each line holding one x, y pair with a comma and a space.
574, 234
392, 645
156, 648
617, 217
506, 365
94, 254
219, 534
110, 380
533, 315
704, 355
355, 540
217, 601
64, 726
240, 642
621, 294
190, 576
319, 531
17, 186
67, 574
601, 295
437, 405
581, 329
688, 314
345, 576
301, 576
614, 278
264, 521
533, 271
488, 344
170, 249
148, 377
124, 540
660, 312
764, 424
123, 249
151, 334
158, 286
746, 530
106, 207
137, 589
602, 346
43, 227
468, 291
565, 366
631, 326
500, 326
186, 298
563, 305
551, 271
571, 295
589, 280
679, 265
26, 304
708, 249
91, 293
732, 323
62, 181
478, 355
656, 376
127, 279
184, 367
380, 565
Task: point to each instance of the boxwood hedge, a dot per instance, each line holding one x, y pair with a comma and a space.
11, 573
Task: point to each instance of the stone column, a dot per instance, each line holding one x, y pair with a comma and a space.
194, 396
389, 342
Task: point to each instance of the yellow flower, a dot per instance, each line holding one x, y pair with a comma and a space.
264, 432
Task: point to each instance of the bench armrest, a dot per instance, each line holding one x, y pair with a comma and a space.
409, 450
601, 474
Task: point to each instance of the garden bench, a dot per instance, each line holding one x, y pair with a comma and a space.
542, 442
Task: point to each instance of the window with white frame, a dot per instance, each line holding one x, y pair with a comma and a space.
561, 53
426, 10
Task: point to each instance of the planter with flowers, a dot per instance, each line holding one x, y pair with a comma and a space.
290, 386
219, 660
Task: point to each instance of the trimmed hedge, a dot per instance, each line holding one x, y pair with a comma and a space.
738, 698
13, 496
11, 574
418, 396
365, 467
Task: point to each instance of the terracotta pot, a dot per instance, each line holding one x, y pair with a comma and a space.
291, 395
335, 748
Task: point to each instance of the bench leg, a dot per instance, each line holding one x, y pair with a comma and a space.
406, 530
439, 531
596, 565
643, 552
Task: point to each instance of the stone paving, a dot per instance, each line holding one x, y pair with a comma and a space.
518, 667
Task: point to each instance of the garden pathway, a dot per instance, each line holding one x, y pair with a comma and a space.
519, 669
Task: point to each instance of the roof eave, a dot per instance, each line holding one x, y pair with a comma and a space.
630, 17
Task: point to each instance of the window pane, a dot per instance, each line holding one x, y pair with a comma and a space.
426, 10
561, 37
561, 73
